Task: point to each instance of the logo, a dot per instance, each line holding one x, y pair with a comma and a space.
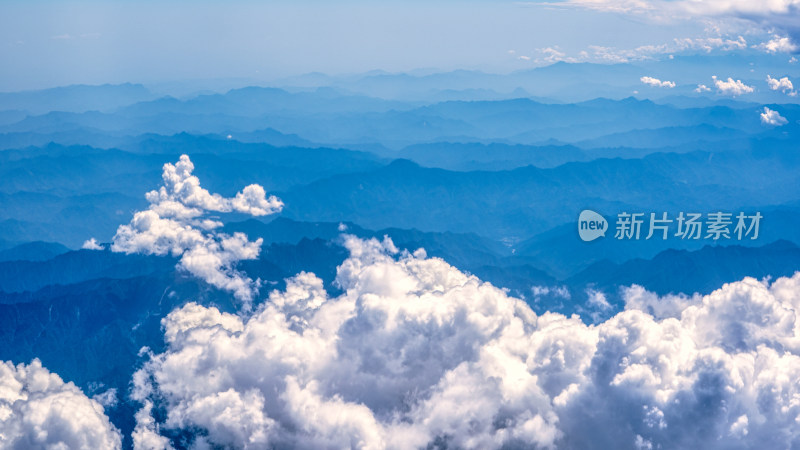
591, 225
633, 226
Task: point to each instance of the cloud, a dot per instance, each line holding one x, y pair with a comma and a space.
603, 54
773, 16
39, 411
552, 55
669, 306
415, 353
655, 82
182, 197
711, 43
784, 85
772, 117
779, 45
556, 291
176, 224
91, 244
731, 87
107, 398
702, 88
614, 55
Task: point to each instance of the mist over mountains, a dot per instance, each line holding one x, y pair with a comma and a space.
485, 172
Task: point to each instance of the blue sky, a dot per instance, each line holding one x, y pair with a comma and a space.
48, 43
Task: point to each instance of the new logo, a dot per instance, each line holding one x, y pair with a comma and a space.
591, 225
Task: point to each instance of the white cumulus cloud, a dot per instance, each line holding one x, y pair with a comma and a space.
415, 353
176, 223
779, 45
655, 82
39, 411
783, 84
91, 244
731, 87
772, 117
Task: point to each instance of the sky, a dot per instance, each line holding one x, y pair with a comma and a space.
48, 43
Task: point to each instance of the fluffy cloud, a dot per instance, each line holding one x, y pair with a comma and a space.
39, 411
783, 84
415, 353
182, 197
702, 88
779, 45
655, 82
91, 244
731, 87
772, 117
176, 224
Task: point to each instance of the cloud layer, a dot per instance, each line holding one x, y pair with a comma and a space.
415, 353
770, 16
176, 223
39, 411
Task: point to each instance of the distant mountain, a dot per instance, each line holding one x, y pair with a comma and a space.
49, 193
701, 101
84, 169
279, 261
33, 251
75, 98
662, 137
564, 81
97, 139
460, 249
525, 201
335, 119
78, 266
272, 137
68, 219
260, 101
563, 254
282, 230
494, 156
569, 81
674, 271
9, 117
